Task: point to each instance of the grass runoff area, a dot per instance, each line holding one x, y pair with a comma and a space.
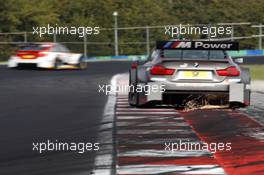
256, 71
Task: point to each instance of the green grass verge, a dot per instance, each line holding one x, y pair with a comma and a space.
256, 71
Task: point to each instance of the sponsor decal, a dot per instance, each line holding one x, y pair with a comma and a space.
199, 45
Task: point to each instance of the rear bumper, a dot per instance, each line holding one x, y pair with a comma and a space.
236, 92
223, 86
39, 62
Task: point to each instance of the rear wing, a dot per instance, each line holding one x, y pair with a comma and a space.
197, 45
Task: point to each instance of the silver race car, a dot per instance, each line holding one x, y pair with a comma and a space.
181, 71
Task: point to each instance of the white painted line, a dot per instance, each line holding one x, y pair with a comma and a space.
158, 123
104, 161
122, 96
254, 119
120, 105
121, 102
157, 131
157, 140
147, 113
122, 99
179, 169
151, 118
257, 134
162, 153
144, 110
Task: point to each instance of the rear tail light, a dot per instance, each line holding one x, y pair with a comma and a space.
31, 54
134, 65
229, 72
26, 55
42, 53
160, 70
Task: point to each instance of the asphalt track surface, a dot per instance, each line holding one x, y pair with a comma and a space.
64, 105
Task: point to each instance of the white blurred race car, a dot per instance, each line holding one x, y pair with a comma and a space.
47, 55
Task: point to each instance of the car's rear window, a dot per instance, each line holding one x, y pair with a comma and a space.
33, 48
194, 54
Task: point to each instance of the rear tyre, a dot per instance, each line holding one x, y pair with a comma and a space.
13, 68
235, 105
133, 99
82, 64
57, 64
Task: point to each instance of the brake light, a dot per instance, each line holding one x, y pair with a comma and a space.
31, 54
229, 72
18, 54
42, 53
134, 65
160, 70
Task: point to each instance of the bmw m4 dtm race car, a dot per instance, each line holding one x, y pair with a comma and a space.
46, 55
181, 71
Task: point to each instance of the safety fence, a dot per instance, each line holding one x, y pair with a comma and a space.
137, 40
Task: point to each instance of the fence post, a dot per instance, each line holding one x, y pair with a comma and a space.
54, 38
260, 36
85, 45
232, 32
209, 34
116, 33
25, 37
147, 40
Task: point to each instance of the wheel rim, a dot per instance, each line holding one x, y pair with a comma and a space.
57, 64
83, 65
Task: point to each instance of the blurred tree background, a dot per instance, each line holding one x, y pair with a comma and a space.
22, 15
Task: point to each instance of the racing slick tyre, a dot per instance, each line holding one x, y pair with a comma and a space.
57, 64
133, 101
235, 105
133, 97
82, 64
